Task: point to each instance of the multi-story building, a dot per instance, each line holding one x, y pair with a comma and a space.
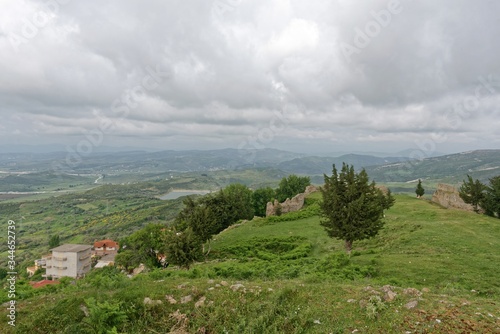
70, 260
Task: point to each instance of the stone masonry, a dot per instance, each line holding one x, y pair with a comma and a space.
290, 205
447, 196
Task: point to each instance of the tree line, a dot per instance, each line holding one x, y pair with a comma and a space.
188, 239
482, 197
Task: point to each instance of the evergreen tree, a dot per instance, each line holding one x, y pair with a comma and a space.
472, 192
352, 208
420, 191
491, 200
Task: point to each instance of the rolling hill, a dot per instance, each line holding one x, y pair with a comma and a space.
453, 168
430, 270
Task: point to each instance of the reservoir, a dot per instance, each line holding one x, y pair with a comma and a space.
179, 193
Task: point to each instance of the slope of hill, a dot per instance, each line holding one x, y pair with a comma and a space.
430, 270
323, 165
111, 210
452, 168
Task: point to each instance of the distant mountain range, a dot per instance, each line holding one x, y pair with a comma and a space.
482, 164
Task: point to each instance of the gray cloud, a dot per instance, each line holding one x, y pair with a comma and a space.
225, 68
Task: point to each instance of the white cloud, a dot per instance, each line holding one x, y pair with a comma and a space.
230, 71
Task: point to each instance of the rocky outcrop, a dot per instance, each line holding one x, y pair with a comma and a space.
310, 189
290, 205
447, 196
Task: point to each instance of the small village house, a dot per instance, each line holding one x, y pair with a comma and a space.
105, 247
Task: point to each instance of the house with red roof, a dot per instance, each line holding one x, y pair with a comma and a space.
105, 247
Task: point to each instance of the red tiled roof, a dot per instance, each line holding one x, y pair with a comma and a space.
106, 242
42, 283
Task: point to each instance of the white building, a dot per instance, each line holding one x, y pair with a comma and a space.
70, 260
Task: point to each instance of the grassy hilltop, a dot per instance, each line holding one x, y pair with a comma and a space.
284, 275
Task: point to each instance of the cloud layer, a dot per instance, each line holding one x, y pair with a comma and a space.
308, 76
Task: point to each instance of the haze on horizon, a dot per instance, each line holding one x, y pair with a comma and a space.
323, 76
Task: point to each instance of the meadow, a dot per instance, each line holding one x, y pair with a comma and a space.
430, 270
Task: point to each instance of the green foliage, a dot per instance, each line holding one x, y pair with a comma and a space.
374, 306
291, 186
340, 266
54, 241
213, 213
420, 191
143, 246
239, 199
269, 249
472, 192
260, 198
308, 292
104, 317
183, 248
310, 211
352, 208
491, 200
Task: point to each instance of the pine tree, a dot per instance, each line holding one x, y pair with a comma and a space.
352, 208
420, 191
472, 192
491, 200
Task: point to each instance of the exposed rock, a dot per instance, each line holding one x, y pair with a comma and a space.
181, 326
387, 288
200, 302
171, 299
149, 301
224, 283
351, 300
426, 290
412, 292
186, 299
290, 205
138, 270
447, 196
311, 189
390, 296
412, 304
85, 310
236, 287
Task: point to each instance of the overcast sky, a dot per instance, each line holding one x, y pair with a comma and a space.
309, 76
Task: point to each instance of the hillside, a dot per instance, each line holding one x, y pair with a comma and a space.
430, 270
323, 165
452, 168
110, 210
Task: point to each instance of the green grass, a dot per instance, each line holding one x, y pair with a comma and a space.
297, 280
